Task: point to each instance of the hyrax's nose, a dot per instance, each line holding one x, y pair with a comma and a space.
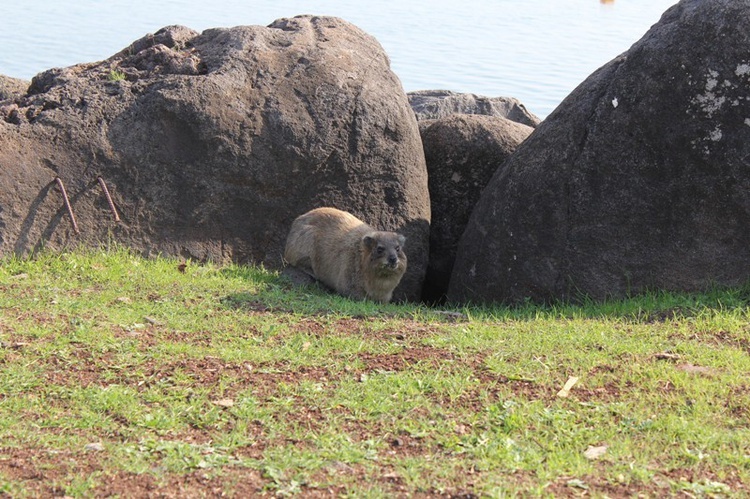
392, 260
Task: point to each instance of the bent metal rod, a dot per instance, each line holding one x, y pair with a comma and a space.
103, 185
109, 199
67, 204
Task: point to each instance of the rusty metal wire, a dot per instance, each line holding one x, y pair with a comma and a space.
109, 199
67, 204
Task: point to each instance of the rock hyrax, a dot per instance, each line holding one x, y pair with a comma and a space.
346, 254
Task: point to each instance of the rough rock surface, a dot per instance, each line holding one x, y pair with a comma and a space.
462, 152
11, 88
639, 180
434, 104
211, 144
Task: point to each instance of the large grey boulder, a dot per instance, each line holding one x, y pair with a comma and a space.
462, 153
639, 180
435, 104
211, 144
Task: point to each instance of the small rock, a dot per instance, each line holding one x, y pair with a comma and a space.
595, 452
436, 104
94, 447
667, 356
153, 321
14, 345
692, 369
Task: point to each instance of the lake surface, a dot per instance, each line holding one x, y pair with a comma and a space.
535, 50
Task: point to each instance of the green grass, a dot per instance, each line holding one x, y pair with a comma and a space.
116, 75
116, 369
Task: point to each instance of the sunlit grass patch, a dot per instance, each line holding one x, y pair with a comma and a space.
165, 368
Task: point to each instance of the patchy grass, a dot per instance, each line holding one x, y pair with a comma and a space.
133, 377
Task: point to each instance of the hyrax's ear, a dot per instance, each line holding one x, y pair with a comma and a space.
368, 241
401, 239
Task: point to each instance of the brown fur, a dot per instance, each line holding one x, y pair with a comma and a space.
346, 254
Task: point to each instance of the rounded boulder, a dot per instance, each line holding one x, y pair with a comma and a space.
639, 180
211, 144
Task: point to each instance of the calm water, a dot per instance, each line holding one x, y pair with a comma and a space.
535, 50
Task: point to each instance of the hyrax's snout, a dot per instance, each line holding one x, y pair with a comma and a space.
385, 250
387, 256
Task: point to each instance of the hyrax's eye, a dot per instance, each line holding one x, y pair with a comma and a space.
380, 250
398, 249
